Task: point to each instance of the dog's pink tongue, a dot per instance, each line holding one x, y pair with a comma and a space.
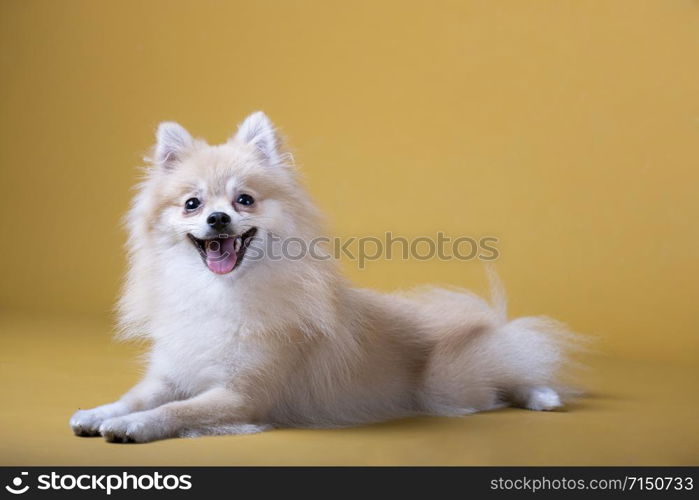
220, 255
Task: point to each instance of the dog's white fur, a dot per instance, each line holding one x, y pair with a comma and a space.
289, 342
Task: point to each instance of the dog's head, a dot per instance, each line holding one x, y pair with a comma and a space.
220, 204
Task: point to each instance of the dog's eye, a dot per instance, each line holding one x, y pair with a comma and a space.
192, 204
245, 199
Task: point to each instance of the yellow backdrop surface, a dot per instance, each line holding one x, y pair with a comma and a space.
568, 130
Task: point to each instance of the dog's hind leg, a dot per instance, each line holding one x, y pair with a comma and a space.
515, 363
455, 382
539, 398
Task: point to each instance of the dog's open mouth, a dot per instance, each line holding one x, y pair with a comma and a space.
225, 252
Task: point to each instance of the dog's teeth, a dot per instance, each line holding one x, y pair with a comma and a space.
237, 244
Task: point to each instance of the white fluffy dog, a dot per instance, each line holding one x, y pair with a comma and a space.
241, 342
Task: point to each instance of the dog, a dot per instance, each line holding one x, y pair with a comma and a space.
242, 343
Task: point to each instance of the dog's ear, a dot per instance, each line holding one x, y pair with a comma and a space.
173, 141
257, 129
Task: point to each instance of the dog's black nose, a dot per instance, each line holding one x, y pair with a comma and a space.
218, 220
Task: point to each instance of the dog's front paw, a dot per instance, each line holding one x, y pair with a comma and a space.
132, 428
87, 422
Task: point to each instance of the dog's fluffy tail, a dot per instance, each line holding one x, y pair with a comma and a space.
493, 362
498, 297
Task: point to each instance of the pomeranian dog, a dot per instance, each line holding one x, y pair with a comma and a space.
241, 344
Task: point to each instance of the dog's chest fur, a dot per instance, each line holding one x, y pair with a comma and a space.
202, 335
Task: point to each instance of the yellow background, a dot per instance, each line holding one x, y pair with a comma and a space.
569, 130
